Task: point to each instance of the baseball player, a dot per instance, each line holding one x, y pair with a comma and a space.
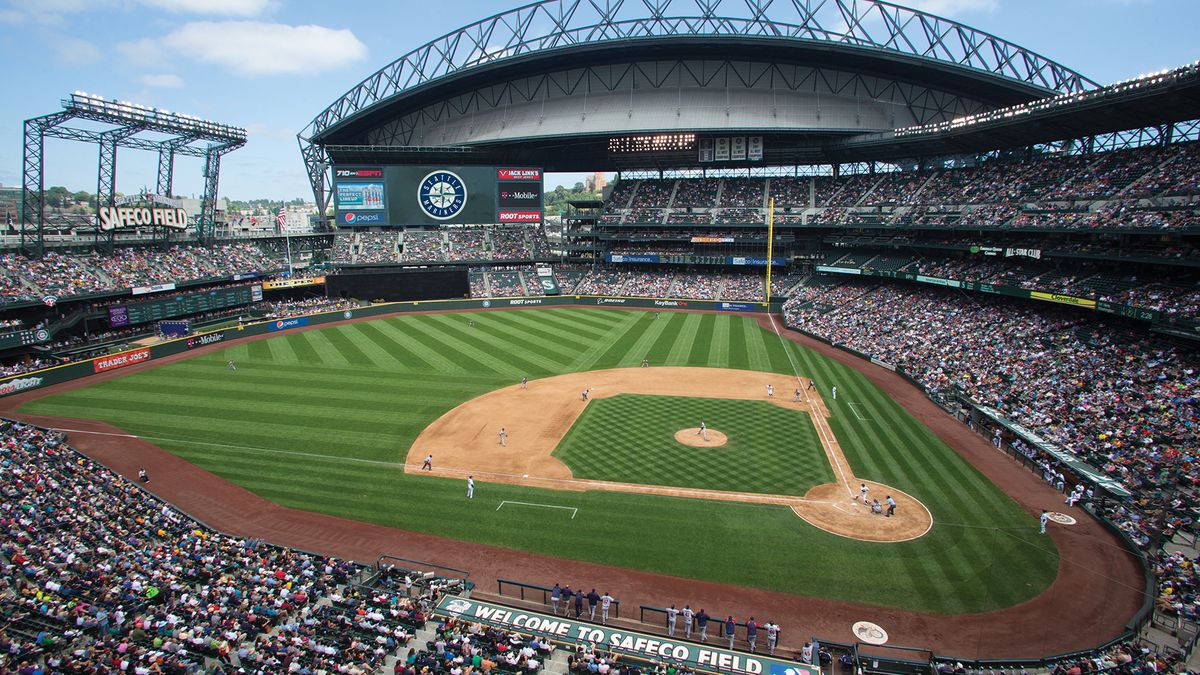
772, 635
555, 598
470, 487
812, 385
688, 615
797, 394
1075, 495
593, 600
730, 627
584, 395
751, 633
835, 392
503, 436
862, 492
672, 615
471, 323
428, 465
232, 365
606, 601
770, 390
703, 431
524, 382
891, 506
1045, 517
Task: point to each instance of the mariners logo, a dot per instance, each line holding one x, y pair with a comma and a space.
442, 195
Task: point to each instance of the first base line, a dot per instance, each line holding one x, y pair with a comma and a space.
572, 509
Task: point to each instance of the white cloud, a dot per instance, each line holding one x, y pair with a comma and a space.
253, 47
165, 81
72, 51
218, 7
950, 8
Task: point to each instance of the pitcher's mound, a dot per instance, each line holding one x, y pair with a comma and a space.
693, 438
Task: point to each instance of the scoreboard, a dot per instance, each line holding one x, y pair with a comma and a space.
148, 311
397, 196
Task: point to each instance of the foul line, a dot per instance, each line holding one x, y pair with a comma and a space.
572, 509
854, 407
814, 411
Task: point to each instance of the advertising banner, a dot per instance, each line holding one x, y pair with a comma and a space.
626, 258
121, 360
758, 262
20, 384
1063, 299
156, 288
838, 270
629, 643
206, 339
738, 306
284, 324
293, 283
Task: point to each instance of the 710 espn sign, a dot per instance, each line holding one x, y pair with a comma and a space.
117, 217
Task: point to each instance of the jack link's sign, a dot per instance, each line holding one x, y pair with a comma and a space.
117, 217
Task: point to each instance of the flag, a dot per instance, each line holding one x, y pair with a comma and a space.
279, 221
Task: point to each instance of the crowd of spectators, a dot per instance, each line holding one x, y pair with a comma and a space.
103, 575
422, 246
376, 247
62, 275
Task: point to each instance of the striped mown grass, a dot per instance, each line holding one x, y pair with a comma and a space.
631, 438
322, 420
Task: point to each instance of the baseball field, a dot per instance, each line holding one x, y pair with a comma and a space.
337, 420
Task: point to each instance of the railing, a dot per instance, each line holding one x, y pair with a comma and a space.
529, 592
714, 621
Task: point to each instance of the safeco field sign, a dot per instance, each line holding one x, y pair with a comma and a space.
650, 647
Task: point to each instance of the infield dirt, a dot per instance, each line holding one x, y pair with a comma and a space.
467, 441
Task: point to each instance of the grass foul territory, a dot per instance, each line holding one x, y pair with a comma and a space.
349, 400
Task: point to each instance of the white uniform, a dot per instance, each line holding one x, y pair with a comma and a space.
687, 621
770, 390
502, 437
772, 635
672, 615
835, 392
862, 491
606, 601
1045, 517
470, 487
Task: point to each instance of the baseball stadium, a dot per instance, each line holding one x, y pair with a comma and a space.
874, 349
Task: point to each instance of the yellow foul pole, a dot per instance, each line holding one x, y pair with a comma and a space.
770, 246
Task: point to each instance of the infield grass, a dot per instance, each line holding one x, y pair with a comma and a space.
631, 438
321, 420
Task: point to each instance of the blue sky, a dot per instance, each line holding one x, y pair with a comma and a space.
271, 65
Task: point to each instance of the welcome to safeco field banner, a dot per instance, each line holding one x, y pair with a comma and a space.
651, 647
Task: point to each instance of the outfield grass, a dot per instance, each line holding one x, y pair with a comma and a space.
631, 438
322, 419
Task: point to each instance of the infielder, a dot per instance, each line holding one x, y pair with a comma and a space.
584, 395
470, 487
797, 394
524, 382
672, 615
770, 390
503, 436
428, 465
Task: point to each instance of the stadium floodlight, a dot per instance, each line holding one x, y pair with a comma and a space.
153, 118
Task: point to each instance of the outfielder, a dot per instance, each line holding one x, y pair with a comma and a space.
470, 487
232, 365
835, 392
524, 382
